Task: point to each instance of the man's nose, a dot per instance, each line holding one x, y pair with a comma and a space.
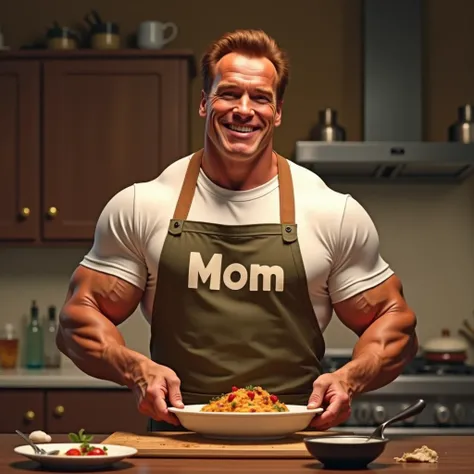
243, 107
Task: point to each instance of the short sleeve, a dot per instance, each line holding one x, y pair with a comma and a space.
116, 249
358, 264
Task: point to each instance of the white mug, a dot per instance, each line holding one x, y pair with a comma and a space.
151, 34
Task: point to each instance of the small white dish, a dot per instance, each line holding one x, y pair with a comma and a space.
73, 463
238, 426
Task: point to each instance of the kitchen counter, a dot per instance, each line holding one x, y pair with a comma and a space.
456, 455
65, 377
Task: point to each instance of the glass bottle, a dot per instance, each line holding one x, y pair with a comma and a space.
52, 356
34, 340
8, 347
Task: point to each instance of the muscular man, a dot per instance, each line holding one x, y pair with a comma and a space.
238, 258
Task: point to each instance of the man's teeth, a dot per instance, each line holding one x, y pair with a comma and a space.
238, 128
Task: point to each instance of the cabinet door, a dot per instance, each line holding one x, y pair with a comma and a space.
19, 150
95, 410
107, 124
21, 409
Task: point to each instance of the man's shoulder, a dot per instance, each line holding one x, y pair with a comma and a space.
312, 190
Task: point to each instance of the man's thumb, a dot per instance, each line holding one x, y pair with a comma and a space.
175, 397
317, 396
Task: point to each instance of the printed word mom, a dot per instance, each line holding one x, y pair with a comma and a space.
235, 276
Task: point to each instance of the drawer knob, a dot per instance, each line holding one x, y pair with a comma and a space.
52, 211
30, 415
25, 212
59, 410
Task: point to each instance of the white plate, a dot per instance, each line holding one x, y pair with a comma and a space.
235, 425
72, 463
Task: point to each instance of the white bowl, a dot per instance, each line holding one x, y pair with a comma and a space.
235, 425
72, 463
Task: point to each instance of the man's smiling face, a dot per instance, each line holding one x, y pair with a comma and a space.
241, 109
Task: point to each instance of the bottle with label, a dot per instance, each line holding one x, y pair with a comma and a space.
34, 340
52, 356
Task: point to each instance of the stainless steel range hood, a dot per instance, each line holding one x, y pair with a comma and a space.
393, 147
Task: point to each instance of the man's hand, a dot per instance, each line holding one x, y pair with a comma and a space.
387, 341
331, 393
153, 385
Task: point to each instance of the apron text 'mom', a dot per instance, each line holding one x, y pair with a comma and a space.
213, 272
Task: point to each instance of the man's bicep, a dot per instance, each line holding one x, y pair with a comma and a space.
112, 296
357, 263
360, 311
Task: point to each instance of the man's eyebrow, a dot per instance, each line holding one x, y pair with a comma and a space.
229, 85
226, 85
264, 90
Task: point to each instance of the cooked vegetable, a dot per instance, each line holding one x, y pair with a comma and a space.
85, 448
249, 400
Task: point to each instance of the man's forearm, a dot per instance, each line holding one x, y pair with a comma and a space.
381, 353
96, 346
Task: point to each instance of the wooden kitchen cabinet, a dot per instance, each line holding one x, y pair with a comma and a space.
19, 149
97, 411
77, 127
63, 410
21, 410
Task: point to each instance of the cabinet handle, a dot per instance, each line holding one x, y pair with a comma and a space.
52, 211
59, 410
30, 415
25, 212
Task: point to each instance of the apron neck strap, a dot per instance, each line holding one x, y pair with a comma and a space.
287, 198
189, 185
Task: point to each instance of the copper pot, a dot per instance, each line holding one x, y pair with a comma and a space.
445, 349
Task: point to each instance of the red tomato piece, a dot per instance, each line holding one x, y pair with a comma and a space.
96, 452
73, 452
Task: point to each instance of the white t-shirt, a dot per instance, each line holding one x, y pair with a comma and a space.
338, 240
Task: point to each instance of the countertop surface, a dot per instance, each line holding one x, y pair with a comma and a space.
64, 377
456, 455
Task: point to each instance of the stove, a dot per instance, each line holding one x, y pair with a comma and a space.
448, 390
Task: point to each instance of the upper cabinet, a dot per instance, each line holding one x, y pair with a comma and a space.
77, 129
19, 150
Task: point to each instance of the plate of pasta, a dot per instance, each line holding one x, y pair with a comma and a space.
245, 413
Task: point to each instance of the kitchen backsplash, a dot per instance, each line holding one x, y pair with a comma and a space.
426, 233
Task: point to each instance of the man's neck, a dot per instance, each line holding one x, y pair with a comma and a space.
239, 175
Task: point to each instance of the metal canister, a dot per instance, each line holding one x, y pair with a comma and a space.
327, 129
463, 129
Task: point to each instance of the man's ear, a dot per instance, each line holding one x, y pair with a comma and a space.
279, 107
203, 104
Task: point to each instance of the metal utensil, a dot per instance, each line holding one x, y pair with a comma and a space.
37, 449
404, 414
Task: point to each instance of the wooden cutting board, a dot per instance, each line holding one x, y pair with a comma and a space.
192, 445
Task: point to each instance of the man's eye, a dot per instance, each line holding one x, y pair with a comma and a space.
262, 99
228, 95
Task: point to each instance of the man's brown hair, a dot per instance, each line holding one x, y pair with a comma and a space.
252, 43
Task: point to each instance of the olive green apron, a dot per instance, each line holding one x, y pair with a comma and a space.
232, 304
